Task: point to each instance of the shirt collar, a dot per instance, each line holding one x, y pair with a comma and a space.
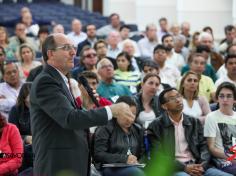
174, 122
62, 75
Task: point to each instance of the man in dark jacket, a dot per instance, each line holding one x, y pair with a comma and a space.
59, 126
180, 137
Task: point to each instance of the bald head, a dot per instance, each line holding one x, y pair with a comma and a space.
76, 25
206, 39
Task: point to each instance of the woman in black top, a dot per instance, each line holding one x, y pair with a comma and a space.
119, 142
19, 114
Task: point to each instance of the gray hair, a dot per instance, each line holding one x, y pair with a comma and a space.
205, 35
180, 38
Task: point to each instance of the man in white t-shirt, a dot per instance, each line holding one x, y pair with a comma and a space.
220, 128
230, 65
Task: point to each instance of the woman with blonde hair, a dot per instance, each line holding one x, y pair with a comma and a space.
194, 105
4, 42
27, 62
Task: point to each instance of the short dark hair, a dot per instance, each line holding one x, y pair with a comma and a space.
128, 57
89, 75
149, 75
226, 85
124, 26
98, 42
8, 63
229, 28
114, 14
126, 99
228, 57
160, 47
162, 19
205, 29
165, 36
162, 99
48, 44
193, 55
90, 24
150, 63
43, 29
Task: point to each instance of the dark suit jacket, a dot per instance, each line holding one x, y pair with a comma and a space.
58, 127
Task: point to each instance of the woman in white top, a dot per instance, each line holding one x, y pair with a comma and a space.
27, 61
194, 105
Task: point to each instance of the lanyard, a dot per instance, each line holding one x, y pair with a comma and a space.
129, 147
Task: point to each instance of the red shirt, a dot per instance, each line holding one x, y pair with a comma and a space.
10, 144
102, 102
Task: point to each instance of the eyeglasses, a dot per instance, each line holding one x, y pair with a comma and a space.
91, 55
227, 96
66, 47
174, 99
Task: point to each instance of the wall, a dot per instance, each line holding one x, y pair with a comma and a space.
200, 13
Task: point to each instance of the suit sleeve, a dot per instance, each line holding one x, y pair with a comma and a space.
51, 98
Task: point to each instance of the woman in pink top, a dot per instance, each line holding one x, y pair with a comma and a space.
11, 148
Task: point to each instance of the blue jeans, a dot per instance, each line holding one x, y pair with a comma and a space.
127, 171
208, 172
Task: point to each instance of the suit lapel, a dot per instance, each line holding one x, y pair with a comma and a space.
54, 73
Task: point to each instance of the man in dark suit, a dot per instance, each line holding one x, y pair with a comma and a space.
59, 128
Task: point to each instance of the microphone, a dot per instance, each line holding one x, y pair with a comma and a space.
82, 80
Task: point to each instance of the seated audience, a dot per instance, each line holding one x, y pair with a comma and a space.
101, 49
125, 73
21, 37
230, 65
10, 145
114, 25
27, 61
173, 59
194, 105
197, 64
9, 89
87, 62
119, 142
180, 139
168, 74
149, 66
129, 47
146, 45
107, 87
220, 128
20, 115
2, 61
4, 42
147, 102
209, 70
84, 100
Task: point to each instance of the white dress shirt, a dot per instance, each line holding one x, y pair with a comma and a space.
76, 39
10, 94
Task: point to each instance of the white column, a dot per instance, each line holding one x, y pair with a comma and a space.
234, 12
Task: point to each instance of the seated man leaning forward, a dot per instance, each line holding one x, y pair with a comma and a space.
180, 137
